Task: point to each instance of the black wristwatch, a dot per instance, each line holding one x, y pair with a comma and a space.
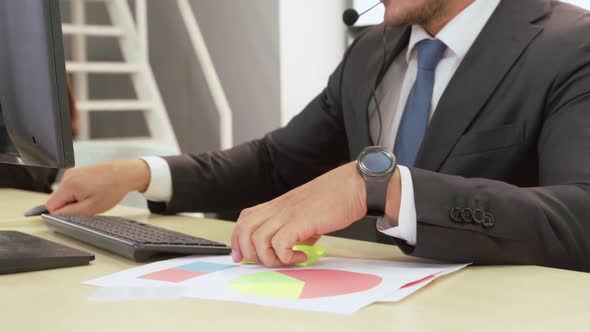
376, 165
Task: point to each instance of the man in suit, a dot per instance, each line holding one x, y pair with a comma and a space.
486, 105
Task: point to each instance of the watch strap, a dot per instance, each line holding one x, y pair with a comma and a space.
376, 197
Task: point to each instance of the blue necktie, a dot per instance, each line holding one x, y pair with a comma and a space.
414, 121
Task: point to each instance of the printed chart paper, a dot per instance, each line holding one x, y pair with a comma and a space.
415, 286
337, 285
179, 272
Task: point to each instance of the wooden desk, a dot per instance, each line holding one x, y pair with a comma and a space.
14, 203
476, 299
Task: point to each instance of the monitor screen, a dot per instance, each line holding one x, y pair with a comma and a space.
35, 125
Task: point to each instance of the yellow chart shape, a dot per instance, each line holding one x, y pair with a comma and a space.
268, 284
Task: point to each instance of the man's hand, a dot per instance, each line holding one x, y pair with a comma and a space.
266, 233
95, 189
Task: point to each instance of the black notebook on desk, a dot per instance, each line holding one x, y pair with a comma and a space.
21, 252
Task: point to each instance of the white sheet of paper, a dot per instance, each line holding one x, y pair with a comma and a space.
125, 294
337, 285
404, 292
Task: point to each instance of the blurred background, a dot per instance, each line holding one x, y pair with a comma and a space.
271, 57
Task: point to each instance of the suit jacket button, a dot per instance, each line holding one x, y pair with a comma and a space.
478, 216
467, 215
489, 220
455, 215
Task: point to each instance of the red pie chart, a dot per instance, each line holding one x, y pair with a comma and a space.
304, 283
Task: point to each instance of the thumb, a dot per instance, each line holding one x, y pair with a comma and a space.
311, 241
298, 257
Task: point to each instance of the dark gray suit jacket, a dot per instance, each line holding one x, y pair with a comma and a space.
508, 146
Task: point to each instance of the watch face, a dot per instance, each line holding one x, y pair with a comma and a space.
377, 162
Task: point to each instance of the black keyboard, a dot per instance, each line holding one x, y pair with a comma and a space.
132, 239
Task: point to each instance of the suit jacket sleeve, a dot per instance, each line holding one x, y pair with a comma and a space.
547, 225
313, 143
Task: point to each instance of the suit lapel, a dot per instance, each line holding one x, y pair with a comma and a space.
395, 41
503, 40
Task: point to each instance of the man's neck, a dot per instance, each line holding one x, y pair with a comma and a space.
446, 15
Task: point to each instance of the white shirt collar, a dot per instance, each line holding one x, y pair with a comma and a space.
460, 33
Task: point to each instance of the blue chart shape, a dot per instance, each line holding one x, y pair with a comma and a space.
204, 267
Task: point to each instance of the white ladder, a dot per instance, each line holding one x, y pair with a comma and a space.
133, 41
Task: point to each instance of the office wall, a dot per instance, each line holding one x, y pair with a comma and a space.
106, 87
375, 16
581, 3
272, 57
312, 41
243, 39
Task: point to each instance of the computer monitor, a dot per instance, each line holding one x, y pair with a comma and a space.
35, 125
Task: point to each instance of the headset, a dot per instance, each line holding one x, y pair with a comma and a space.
350, 17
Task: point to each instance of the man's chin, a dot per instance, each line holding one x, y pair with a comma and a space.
396, 21
396, 17
406, 14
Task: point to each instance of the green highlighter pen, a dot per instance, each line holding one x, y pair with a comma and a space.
313, 253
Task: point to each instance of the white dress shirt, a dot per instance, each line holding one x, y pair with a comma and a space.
160, 187
459, 34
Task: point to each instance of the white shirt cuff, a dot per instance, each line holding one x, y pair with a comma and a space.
160, 187
407, 220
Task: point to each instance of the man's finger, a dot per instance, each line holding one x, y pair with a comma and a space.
267, 255
246, 226
236, 253
82, 208
249, 221
246, 246
59, 199
262, 243
284, 241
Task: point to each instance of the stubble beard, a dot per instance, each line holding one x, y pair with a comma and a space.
420, 16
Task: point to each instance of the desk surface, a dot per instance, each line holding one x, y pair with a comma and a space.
478, 298
14, 203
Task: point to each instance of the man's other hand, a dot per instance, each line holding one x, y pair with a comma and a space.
95, 189
266, 233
